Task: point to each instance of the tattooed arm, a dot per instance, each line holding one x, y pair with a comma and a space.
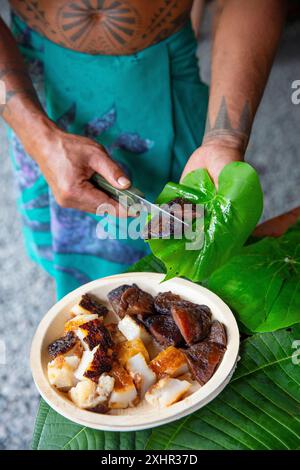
244, 46
67, 161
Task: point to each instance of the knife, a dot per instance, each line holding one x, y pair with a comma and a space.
134, 196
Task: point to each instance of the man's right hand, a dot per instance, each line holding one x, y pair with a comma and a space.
68, 161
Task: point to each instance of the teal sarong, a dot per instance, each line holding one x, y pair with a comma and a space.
147, 109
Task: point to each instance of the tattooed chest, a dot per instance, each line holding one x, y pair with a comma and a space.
104, 26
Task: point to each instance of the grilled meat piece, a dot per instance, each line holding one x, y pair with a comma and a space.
62, 345
203, 358
101, 409
130, 300
94, 333
217, 334
164, 330
163, 302
90, 303
162, 226
193, 320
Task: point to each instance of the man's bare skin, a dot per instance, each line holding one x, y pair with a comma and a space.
245, 42
113, 27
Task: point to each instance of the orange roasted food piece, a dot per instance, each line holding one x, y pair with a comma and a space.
128, 349
170, 361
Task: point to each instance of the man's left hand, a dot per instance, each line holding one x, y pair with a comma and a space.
213, 157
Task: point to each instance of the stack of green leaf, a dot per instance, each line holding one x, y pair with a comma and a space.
260, 408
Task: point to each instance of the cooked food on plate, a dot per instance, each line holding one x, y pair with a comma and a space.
134, 348
130, 300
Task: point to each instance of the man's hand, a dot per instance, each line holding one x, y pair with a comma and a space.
245, 41
213, 157
68, 161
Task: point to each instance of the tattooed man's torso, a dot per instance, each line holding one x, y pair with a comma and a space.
113, 27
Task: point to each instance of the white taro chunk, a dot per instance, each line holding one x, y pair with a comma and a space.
167, 391
85, 363
131, 329
124, 394
141, 373
84, 395
88, 395
105, 386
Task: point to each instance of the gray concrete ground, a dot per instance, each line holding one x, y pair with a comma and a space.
26, 292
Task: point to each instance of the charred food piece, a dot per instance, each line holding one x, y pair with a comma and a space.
94, 333
203, 358
94, 363
164, 301
62, 345
130, 300
164, 330
162, 226
102, 362
90, 303
193, 320
99, 355
217, 334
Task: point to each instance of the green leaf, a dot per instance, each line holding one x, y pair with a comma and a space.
262, 283
54, 432
258, 410
231, 214
147, 264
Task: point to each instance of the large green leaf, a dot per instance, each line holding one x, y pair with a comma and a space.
231, 213
262, 283
147, 264
259, 409
54, 432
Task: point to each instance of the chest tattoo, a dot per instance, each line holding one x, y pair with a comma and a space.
103, 23
104, 26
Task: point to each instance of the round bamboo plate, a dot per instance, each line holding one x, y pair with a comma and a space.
143, 416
